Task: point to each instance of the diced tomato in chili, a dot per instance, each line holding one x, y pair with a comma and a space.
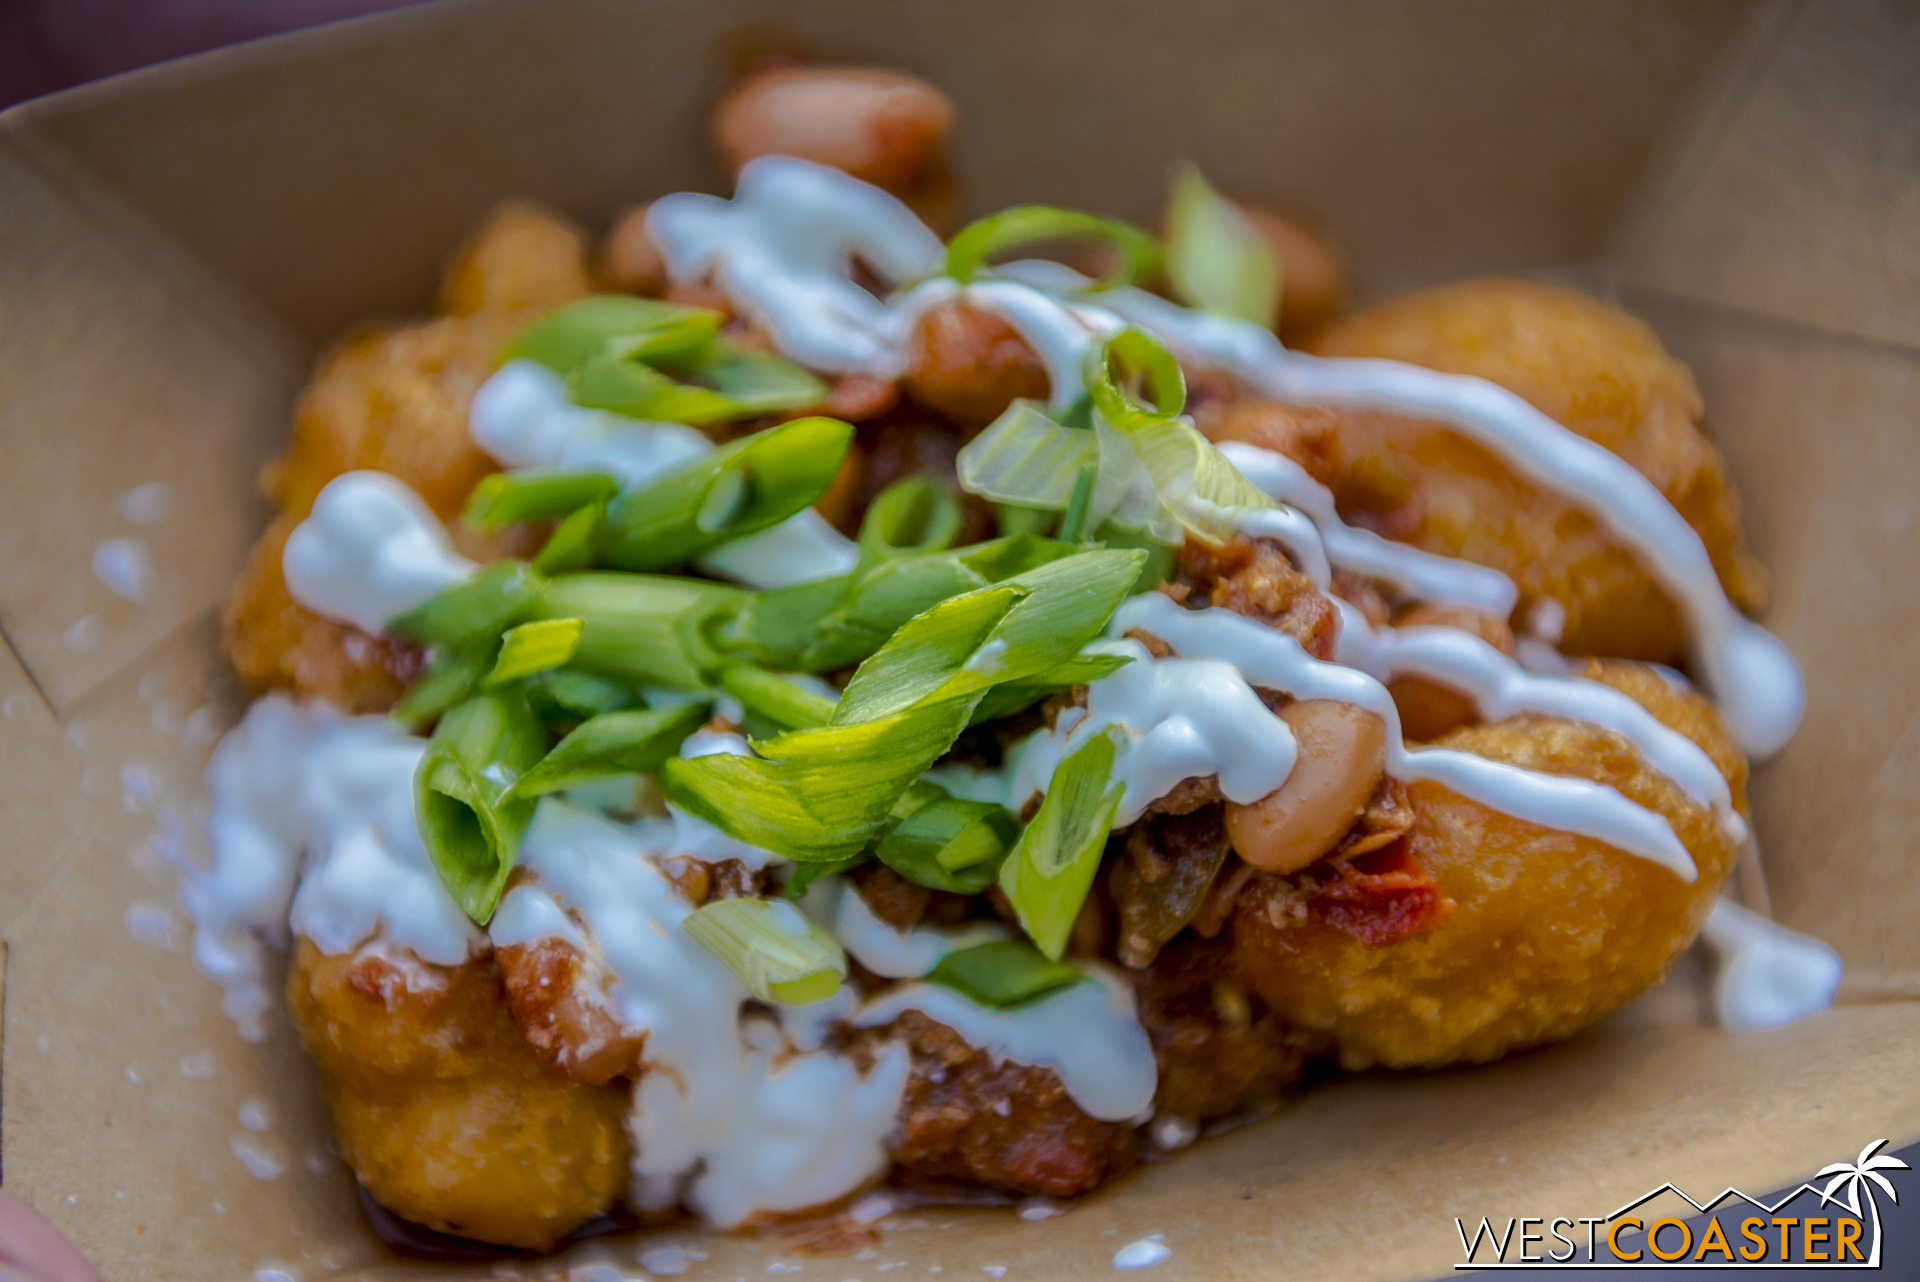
1380, 898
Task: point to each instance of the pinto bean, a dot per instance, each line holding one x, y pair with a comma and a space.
883, 127
628, 258
1343, 753
968, 365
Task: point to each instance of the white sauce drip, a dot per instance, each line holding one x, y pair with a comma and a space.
1755, 679
369, 551
1769, 976
294, 780
1087, 1033
1178, 718
801, 549
1421, 575
887, 952
1272, 660
1501, 688
782, 247
730, 1128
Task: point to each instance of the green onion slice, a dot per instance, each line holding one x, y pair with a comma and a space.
1005, 700
565, 695
753, 382
535, 647
574, 543
914, 515
533, 494
451, 676
740, 489
1216, 259
780, 700
950, 844
1047, 876
470, 826
643, 629
1003, 974
1026, 457
1134, 358
997, 235
636, 741
772, 948
639, 391
474, 612
611, 324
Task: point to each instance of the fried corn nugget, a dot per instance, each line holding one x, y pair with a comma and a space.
396, 401
1587, 365
440, 1108
1550, 931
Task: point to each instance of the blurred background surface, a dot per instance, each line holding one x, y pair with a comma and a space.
46, 45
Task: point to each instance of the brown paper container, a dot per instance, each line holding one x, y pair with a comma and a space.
175, 244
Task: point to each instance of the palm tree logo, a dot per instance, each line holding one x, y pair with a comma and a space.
1855, 1176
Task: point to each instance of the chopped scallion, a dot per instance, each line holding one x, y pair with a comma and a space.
780, 700
472, 613
535, 647
642, 629
1047, 876
771, 947
1132, 359
574, 543
451, 676
997, 235
950, 844
637, 741
741, 488
1003, 974
914, 515
574, 333
533, 494
565, 695
470, 826
1216, 259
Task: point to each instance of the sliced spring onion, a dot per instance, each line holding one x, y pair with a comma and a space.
1003, 974
641, 391
1196, 484
950, 844
1129, 360
778, 626
1005, 700
1047, 876
574, 543
472, 613
753, 381
451, 676
804, 875
925, 654
780, 700
471, 828
1021, 518
636, 741
741, 488
916, 514
772, 948
998, 235
535, 647
1026, 457
1216, 259
642, 629
577, 332
533, 494
565, 695
1077, 521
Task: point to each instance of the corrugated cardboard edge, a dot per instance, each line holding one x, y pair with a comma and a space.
1371, 1172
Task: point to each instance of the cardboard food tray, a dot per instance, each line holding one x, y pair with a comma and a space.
175, 246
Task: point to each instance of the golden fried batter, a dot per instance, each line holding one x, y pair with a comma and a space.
441, 1109
1591, 367
1549, 932
396, 401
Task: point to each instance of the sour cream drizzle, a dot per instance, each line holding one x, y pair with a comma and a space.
369, 551
293, 781
731, 1127
1755, 679
1273, 660
1769, 976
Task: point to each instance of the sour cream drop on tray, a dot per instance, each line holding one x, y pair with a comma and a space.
1770, 976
